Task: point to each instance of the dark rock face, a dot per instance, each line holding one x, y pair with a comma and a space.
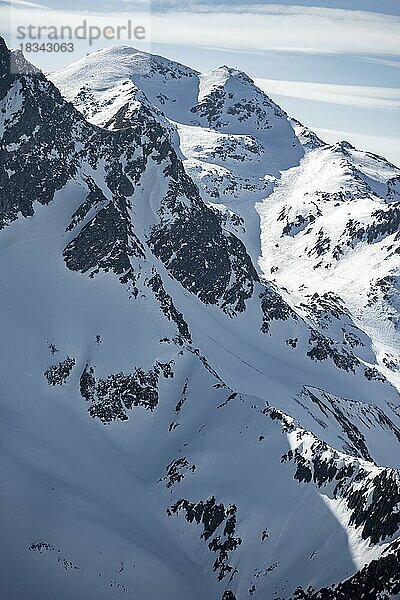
45, 140
168, 307
37, 153
112, 397
350, 415
379, 579
325, 307
299, 224
228, 595
386, 222
322, 348
328, 312
233, 100
373, 501
237, 150
41, 547
212, 516
330, 408
373, 374
393, 189
212, 108
216, 267
5, 66
377, 514
387, 289
274, 308
107, 242
58, 374
322, 245
94, 199
176, 471
183, 397
45, 144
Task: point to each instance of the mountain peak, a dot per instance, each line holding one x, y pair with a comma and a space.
223, 77
4, 58
234, 73
343, 146
3, 46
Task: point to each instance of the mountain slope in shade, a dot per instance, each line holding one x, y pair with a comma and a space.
173, 423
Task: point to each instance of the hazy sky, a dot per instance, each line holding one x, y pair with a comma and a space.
334, 64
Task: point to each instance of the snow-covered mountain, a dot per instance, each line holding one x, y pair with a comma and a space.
199, 324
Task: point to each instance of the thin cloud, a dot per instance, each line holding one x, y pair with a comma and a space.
269, 28
385, 62
24, 4
387, 146
347, 95
283, 28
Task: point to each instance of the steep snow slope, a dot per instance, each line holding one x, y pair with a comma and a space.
149, 372
338, 206
103, 82
226, 100
332, 225
346, 347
